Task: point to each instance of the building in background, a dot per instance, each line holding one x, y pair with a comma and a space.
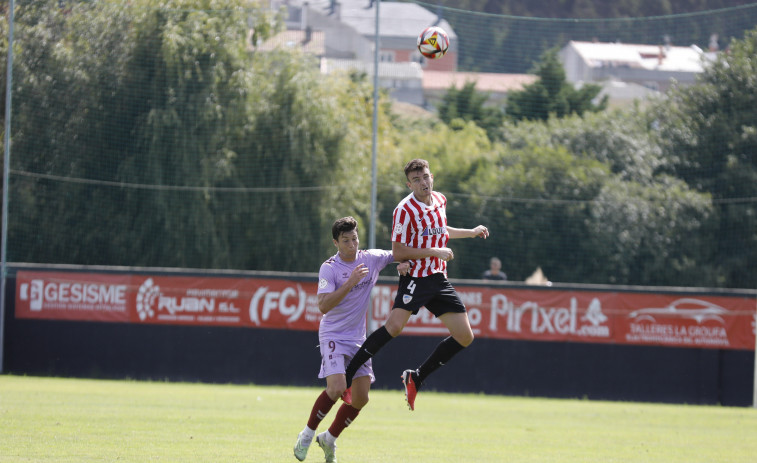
349, 27
630, 72
496, 86
341, 34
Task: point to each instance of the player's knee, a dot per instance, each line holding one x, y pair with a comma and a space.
393, 329
359, 402
465, 339
335, 392
395, 325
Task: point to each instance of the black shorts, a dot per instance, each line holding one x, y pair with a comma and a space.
434, 292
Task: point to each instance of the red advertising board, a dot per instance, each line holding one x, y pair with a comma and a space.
172, 300
72, 296
641, 318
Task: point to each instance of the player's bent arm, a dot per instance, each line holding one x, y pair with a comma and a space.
402, 252
481, 231
327, 301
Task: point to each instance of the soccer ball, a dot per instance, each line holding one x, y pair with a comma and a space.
433, 42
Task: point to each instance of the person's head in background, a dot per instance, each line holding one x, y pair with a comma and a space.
495, 265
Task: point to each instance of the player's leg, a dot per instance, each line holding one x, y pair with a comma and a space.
321, 408
459, 327
335, 386
333, 355
461, 336
397, 320
347, 413
375, 341
361, 387
450, 310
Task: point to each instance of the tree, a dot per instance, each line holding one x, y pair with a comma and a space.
552, 94
305, 160
152, 99
619, 139
650, 234
709, 131
469, 105
603, 212
189, 68
65, 79
536, 202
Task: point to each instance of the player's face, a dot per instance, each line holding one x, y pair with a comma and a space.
347, 244
421, 182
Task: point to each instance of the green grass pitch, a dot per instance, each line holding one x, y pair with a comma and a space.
74, 420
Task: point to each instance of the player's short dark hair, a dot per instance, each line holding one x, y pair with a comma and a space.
343, 225
414, 165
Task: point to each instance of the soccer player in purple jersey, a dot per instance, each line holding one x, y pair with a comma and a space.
345, 282
420, 234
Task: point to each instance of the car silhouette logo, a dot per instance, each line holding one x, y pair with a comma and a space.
694, 309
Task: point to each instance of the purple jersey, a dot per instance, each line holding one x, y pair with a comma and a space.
346, 321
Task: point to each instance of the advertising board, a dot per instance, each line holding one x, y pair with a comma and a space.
639, 318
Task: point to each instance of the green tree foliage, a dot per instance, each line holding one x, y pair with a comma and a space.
155, 137
188, 68
148, 95
584, 199
552, 94
635, 203
469, 105
651, 234
308, 147
709, 131
65, 83
618, 139
535, 203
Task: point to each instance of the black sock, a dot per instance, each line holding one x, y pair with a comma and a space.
372, 344
441, 355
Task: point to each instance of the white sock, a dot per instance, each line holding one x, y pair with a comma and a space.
329, 437
308, 433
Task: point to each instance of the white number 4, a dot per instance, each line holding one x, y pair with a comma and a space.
411, 286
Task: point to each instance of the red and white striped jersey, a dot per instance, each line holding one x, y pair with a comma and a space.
420, 226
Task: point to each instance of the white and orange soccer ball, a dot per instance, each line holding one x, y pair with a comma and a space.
433, 42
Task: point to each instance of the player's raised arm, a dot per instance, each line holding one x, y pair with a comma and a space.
480, 231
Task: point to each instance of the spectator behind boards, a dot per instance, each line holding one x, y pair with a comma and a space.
494, 272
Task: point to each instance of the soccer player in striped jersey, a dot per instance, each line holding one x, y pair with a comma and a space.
420, 234
345, 282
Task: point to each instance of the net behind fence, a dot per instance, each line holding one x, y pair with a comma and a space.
231, 134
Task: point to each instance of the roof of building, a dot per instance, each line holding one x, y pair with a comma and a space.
404, 70
621, 93
485, 82
649, 57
